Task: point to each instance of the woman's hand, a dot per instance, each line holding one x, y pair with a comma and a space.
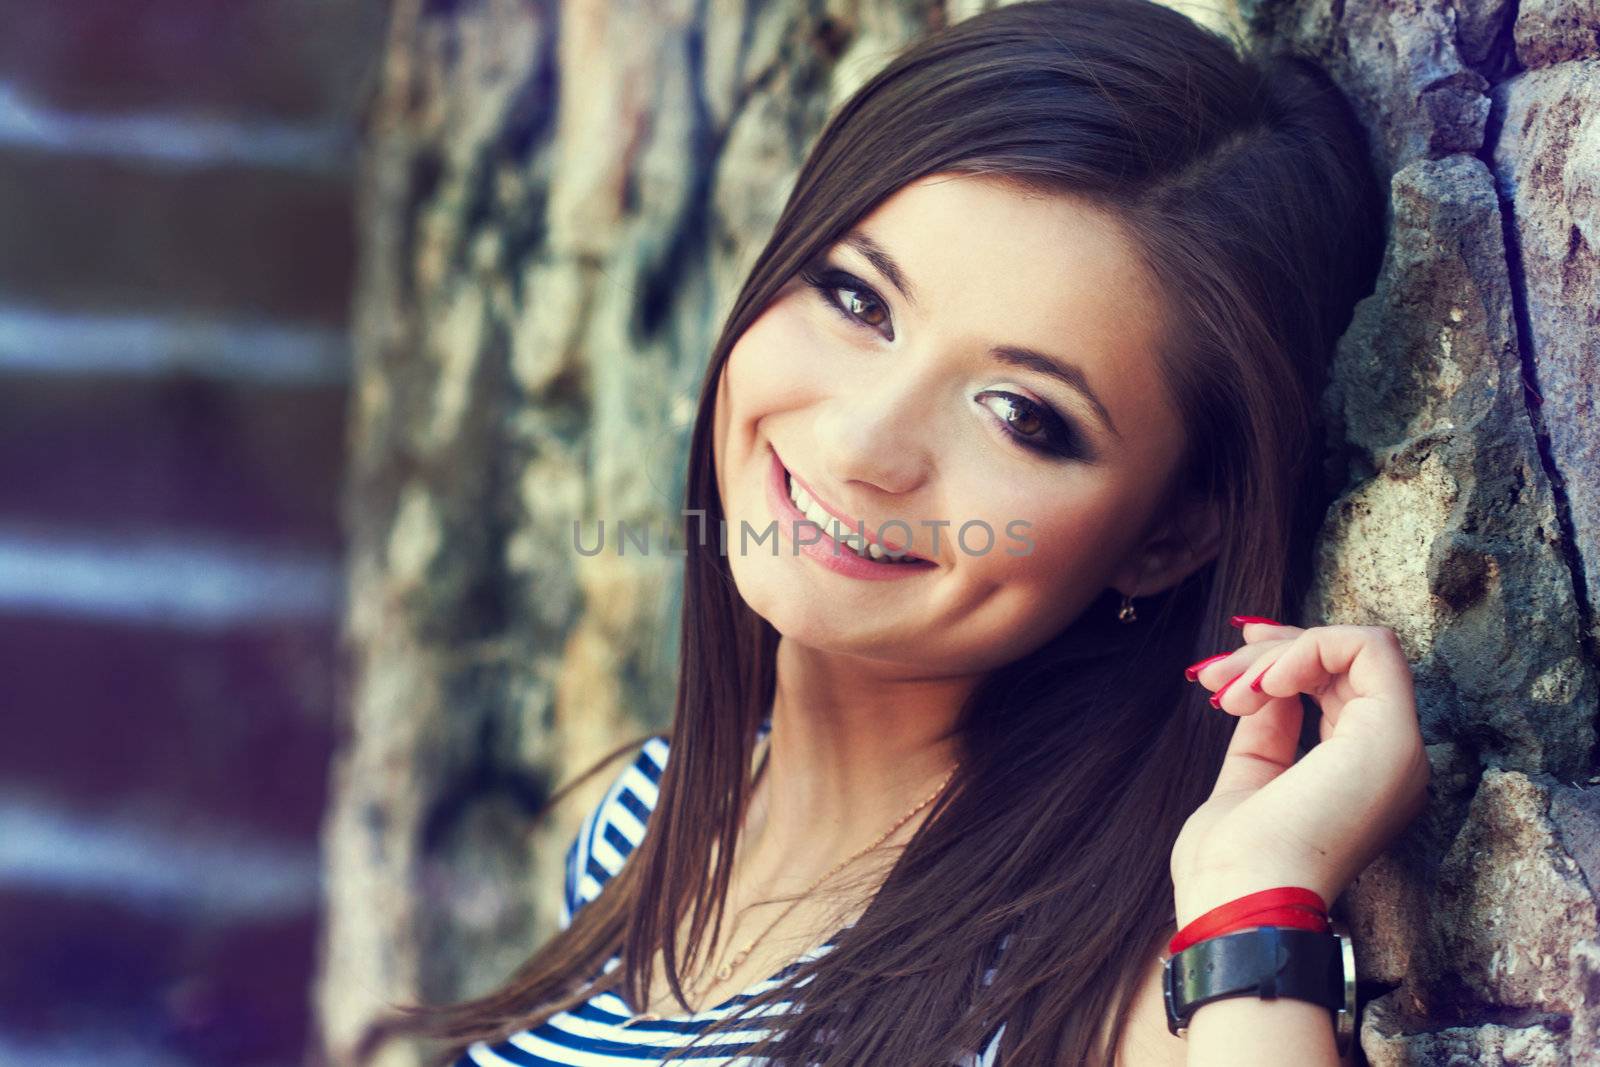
1271, 821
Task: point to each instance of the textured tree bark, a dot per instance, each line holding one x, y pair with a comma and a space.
557, 203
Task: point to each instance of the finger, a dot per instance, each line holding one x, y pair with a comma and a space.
1242, 694
1263, 746
1256, 628
1217, 670
1368, 658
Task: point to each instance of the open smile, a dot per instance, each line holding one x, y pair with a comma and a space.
842, 546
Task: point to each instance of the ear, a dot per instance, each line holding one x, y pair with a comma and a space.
1182, 541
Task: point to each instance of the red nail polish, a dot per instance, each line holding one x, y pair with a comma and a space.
1256, 685
1240, 620
1192, 671
1216, 698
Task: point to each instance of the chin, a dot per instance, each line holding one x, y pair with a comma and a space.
791, 608
799, 613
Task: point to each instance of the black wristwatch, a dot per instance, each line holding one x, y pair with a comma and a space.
1268, 961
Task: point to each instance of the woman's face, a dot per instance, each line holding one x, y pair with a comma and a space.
976, 356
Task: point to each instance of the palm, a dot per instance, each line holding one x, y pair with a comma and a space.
1271, 820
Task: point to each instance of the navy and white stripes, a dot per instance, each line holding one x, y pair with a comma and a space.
613, 829
594, 1033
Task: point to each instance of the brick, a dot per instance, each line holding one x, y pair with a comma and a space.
110, 234
233, 728
223, 996
259, 464
303, 59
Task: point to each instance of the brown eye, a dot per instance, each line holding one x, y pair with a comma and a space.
1018, 414
862, 308
857, 306
1033, 425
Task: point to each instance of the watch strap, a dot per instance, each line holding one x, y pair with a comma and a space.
1267, 961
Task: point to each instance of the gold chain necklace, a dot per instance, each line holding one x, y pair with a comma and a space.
725, 972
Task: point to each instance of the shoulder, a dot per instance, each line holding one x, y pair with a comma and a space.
613, 827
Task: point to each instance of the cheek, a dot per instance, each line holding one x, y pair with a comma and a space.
764, 378
1064, 522
778, 363
1067, 515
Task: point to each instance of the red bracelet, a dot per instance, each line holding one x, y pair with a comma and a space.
1287, 905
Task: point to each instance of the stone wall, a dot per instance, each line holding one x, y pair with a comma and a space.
558, 202
1470, 522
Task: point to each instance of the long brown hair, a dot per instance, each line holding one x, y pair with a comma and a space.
1244, 182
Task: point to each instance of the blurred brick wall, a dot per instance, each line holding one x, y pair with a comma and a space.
176, 246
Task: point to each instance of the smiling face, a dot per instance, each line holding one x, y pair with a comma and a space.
970, 354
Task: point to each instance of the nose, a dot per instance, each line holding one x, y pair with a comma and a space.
877, 433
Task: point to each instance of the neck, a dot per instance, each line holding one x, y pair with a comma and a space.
853, 747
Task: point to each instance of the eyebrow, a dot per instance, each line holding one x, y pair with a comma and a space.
1013, 355
882, 262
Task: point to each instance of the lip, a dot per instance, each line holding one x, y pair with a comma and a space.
828, 552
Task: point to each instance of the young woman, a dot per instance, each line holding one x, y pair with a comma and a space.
1044, 322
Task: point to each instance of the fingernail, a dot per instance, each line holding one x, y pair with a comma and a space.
1256, 685
1216, 698
1240, 620
1192, 671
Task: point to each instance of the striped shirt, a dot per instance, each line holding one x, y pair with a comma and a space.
599, 1032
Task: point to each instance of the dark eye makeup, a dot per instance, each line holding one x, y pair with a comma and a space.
1032, 425
1035, 426
827, 281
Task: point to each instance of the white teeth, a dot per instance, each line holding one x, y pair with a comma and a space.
835, 529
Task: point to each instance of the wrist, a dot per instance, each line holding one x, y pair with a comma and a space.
1201, 892
1250, 1030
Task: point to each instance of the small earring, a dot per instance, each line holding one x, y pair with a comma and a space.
1126, 613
